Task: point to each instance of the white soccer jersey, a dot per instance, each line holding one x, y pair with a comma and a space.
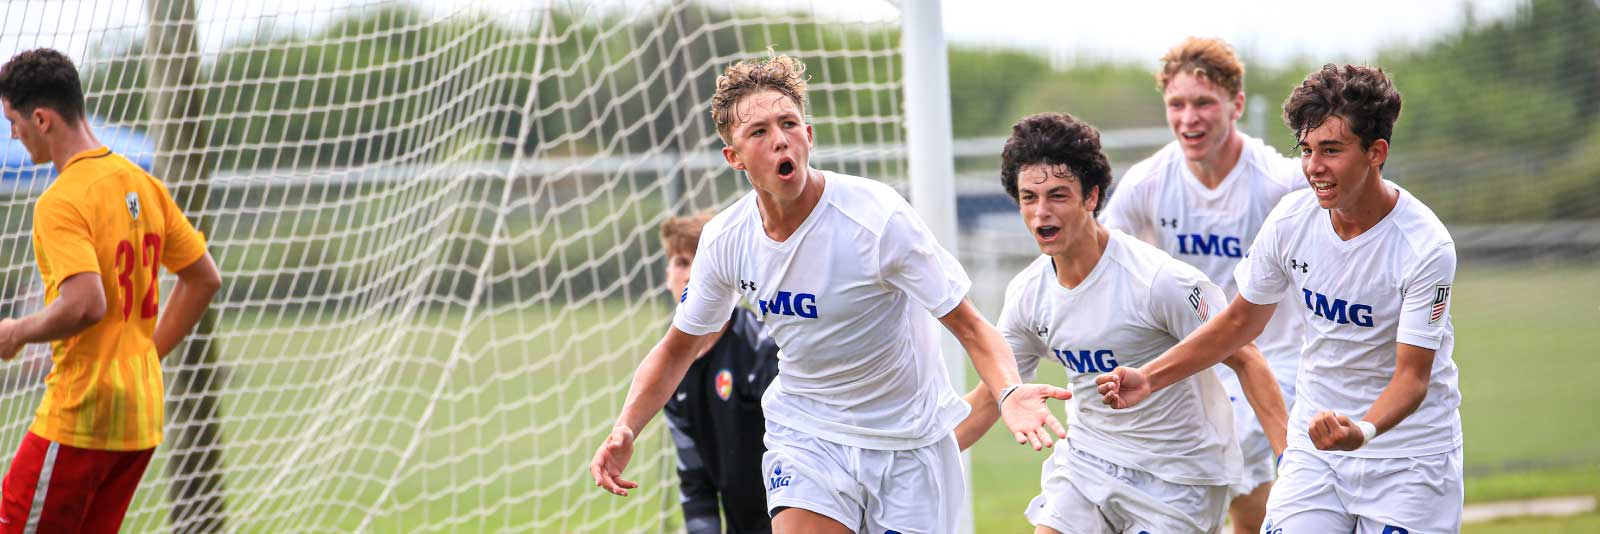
1359, 298
1135, 304
1160, 201
850, 298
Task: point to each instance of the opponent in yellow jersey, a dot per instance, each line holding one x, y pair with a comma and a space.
106, 215
102, 232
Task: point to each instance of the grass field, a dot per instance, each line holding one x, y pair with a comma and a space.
330, 423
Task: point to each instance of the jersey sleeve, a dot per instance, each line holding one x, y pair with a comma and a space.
708, 300
1425, 308
183, 244
1260, 275
1125, 210
1024, 342
909, 259
64, 237
1182, 299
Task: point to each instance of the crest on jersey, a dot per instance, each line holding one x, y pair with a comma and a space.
1197, 302
724, 384
1441, 298
132, 200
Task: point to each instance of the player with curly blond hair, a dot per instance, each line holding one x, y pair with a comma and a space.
849, 281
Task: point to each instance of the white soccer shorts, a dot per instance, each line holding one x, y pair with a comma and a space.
869, 491
1319, 492
1083, 494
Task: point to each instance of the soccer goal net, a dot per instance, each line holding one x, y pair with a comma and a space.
437, 225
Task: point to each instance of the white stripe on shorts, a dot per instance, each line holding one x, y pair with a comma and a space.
39, 490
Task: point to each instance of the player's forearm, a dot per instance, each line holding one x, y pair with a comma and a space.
1208, 345
990, 355
1261, 390
1400, 398
190, 299
985, 411
657, 377
81, 305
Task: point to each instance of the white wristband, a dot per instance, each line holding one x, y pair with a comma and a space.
1006, 393
1368, 431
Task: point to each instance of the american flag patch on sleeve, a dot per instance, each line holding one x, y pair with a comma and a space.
1197, 302
1441, 297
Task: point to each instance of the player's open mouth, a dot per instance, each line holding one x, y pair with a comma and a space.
1323, 189
1193, 135
1047, 233
785, 169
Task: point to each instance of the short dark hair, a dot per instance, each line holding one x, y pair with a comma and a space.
1363, 96
1056, 139
43, 77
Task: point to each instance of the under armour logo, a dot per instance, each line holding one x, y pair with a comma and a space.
747, 286
1297, 265
1042, 331
1173, 222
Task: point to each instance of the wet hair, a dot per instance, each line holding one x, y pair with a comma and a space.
682, 233
781, 73
1363, 96
1056, 139
45, 78
1207, 59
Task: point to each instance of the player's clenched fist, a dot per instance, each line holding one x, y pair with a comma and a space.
1123, 387
611, 459
1334, 432
1024, 412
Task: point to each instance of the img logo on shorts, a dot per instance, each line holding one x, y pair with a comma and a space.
777, 479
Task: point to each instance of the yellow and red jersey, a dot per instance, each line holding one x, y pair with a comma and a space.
105, 215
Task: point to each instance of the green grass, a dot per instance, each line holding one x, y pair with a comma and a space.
1524, 346
1582, 524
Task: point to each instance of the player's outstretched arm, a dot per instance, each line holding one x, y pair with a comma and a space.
655, 380
1261, 390
985, 411
190, 297
1238, 324
1413, 367
82, 304
1021, 406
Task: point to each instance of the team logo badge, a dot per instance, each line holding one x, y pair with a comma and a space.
724, 384
1197, 302
132, 200
1441, 297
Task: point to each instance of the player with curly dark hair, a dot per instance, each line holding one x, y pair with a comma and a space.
1096, 299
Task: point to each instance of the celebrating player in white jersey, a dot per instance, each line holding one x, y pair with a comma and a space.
847, 280
1096, 299
1375, 435
1202, 199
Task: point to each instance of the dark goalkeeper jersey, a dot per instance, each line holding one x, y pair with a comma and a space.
717, 425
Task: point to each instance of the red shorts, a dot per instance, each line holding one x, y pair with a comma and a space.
56, 488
